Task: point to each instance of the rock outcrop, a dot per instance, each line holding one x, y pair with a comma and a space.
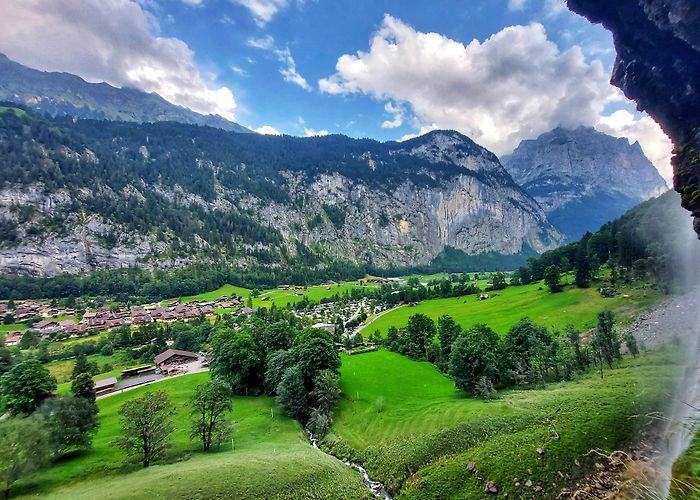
658, 66
583, 178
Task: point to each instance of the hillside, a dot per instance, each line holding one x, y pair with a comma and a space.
96, 195
583, 178
66, 94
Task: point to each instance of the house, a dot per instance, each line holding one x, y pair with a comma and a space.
175, 356
138, 371
11, 339
46, 326
105, 386
246, 311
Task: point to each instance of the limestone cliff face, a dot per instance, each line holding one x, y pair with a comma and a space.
658, 65
583, 178
451, 192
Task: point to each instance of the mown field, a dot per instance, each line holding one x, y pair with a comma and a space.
427, 431
276, 296
577, 306
270, 458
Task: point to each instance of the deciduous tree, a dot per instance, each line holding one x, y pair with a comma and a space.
210, 405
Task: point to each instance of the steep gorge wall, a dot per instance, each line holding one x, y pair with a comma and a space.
658, 66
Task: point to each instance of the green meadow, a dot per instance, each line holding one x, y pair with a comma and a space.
421, 437
577, 306
13, 327
270, 457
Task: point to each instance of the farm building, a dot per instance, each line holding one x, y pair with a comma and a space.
105, 386
138, 371
175, 356
12, 339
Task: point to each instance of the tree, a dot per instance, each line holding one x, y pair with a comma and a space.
146, 425
210, 404
237, 360
419, 334
525, 348
583, 265
6, 360
499, 281
313, 351
24, 450
475, 355
552, 278
82, 365
606, 340
631, 344
107, 349
292, 394
277, 363
447, 331
83, 387
30, 338
70, 422
574, 337
26, 385
326, 391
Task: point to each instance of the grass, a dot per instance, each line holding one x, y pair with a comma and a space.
686, 473
62, 369
271, 459
427, 432
274, 295
13, 327
577, 306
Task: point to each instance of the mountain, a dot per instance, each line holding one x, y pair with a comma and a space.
583, 178
82, 195
66, 94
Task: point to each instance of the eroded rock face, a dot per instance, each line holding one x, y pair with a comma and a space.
658, 66
583, 178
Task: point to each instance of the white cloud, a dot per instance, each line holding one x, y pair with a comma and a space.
288, 70
239, 70
262, 10
267, 130
397, 119
515, 85
514, 5
655, 144
554, 8
112, 41
309, 132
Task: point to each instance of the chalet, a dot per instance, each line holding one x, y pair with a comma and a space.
11, 339
46, 327
105, 386
175, 357
247, 311
88, 316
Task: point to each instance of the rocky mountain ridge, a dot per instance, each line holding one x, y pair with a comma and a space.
583, 178
97, 195
67, 94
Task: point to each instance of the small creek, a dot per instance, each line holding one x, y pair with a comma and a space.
377, 489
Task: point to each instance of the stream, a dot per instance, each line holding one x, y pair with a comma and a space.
377, 489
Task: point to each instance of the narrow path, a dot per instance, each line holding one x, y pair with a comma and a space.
375, 318
200, 370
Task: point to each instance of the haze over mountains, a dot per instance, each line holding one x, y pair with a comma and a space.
95, 194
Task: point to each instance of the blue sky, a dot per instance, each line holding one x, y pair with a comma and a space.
499, 71
318, 32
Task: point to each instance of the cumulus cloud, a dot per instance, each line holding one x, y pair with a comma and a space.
309, 132
655, 144
288, 70
262, 10
267, 130
397, 118
112, 41
515, 85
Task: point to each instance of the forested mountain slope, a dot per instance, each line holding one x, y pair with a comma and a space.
79, 195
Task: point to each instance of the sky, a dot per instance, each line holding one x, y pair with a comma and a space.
499, 71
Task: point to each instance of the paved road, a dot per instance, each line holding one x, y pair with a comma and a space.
195, 367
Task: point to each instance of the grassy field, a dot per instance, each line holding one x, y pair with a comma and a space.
13, 327
427, 431
578, 306
62, 369
271, 459
276, 296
